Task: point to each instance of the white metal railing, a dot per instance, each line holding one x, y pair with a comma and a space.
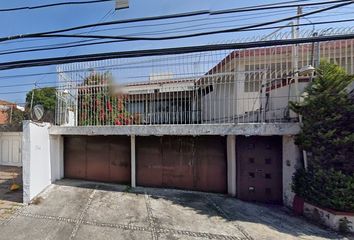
215, 87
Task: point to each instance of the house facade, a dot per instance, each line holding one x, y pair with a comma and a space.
5, 106
209, 122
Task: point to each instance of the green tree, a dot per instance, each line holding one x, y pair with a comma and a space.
46, 97
15, 117
327, 133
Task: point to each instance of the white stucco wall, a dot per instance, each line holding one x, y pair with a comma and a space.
56, 157
291, 162
229, 99
231, 165
42, 158
328, 218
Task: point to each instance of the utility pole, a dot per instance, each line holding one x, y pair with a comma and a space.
295, 35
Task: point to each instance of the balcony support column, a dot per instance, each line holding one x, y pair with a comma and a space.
132, 161
231, 165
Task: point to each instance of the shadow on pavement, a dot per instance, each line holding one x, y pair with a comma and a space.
256, 219
8, 176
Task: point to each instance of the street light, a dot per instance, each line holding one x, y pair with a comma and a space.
307, 70
122, 4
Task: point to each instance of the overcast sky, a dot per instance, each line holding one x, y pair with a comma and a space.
28, 21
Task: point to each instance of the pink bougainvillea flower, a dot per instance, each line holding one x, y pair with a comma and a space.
109, 106
117, 122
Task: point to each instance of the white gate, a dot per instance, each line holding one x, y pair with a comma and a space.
10, 148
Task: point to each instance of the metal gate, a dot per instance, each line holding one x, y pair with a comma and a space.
10, 148
193, 163
98, 158
259, 169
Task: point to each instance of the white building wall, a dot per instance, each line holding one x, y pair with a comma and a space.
219, 104
42, 158
279, 99
246, 101
229, 100
291, 162
56, 157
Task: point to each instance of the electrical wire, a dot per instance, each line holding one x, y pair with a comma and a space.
197, 34
165, 51
185, 29
108, 14
52, 5
159, 24
255, 15
232, 18
117, 41
179, 15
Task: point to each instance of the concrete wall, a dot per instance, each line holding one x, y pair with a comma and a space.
327, 217
231, 165
56, 157
229, 99
279, 100
42, 158
256, 129
291, 162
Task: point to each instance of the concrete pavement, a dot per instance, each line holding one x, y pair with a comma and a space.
81, 210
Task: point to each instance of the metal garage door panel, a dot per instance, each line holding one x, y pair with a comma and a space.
119, 157
98, 159
259, 169
186, 162
178, 160
75, 157
149, 161
211, 166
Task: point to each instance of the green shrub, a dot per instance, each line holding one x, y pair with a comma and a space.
327, 132
325, 188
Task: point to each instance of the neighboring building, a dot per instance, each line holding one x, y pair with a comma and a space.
227, 129
163, 101
5, 106
10, 136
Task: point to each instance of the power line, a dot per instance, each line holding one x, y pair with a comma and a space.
101, 19
52, 5
179, 15
256, 15
198, 34
239, 18
117, 41
185, 29
165, 51
52, 46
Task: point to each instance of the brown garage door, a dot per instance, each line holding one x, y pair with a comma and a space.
259, 169
194, 163
97, 158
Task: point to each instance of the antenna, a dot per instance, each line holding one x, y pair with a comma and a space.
37, 112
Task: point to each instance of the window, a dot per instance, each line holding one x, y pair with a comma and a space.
253, 77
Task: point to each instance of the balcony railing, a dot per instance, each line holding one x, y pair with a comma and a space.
237, 86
